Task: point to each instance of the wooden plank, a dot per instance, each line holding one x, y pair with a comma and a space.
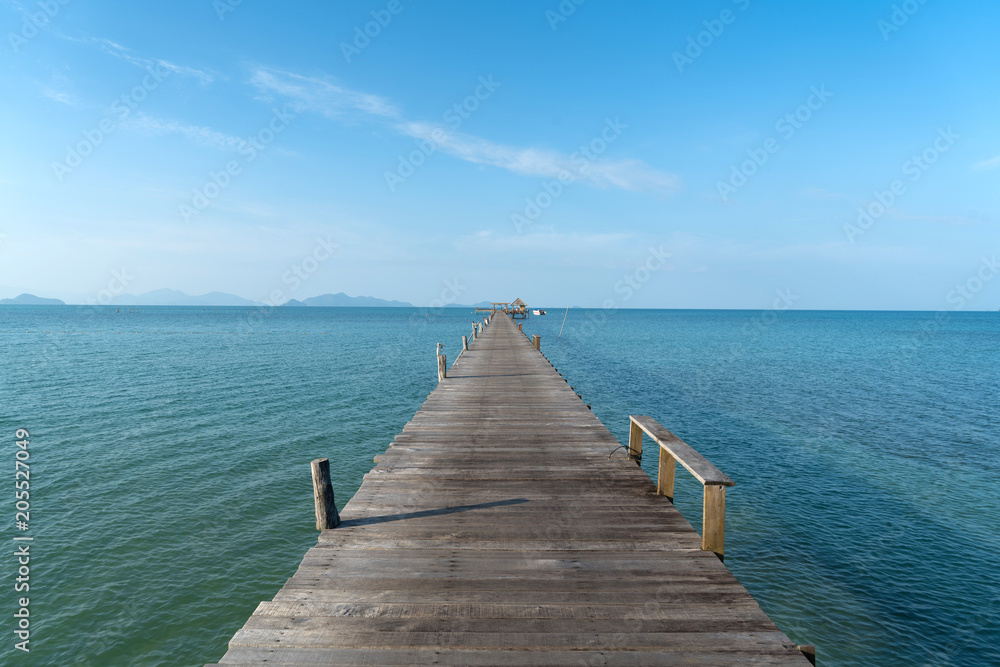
765, 651
442, 367
493, 611
635, 442
666, 473
698, 465
519, 637
713, 530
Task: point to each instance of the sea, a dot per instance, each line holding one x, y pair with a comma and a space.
168, 450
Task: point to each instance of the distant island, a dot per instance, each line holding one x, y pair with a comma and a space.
341, 299
31, 300
169, 297
172, 297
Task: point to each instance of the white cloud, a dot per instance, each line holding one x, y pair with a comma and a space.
985, 165
60, 97
625, 174
128, 55
336, 102
319, 95
205, 136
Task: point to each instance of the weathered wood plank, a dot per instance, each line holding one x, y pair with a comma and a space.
767, 652
698, 465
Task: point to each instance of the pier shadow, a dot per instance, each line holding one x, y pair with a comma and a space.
368, 521
508, 375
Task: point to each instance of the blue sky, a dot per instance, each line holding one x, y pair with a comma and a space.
634, 154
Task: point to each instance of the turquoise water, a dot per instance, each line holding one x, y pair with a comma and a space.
170, 447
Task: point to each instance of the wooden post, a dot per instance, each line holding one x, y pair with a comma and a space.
326, 508
442, 367
634, 441
537, 342
520, 327
465, 343
713, 523
665, 477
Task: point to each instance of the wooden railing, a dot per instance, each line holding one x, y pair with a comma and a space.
673, 449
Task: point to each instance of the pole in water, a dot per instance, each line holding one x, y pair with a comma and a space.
564, 323
326, 508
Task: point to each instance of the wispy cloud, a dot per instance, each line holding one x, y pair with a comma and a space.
985, 165
320, 95
625, 174
131, 56
324, 97
61, 97
205, 136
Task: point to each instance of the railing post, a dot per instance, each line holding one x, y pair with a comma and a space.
665, 475
326, 508
673, 450
465, 343
442, 367
537, 342
713, 522
635, 442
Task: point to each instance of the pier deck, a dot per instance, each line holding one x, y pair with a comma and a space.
497, 531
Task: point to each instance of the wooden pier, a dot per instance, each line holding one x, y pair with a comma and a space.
506, 526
